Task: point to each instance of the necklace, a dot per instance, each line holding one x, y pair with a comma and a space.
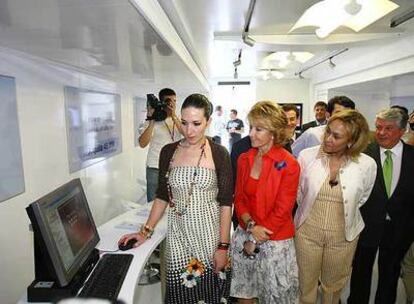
171, 132
192, 183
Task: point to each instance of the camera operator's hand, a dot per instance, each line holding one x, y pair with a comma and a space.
150, 111
170, 107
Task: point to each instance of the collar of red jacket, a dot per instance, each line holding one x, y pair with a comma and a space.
274, 153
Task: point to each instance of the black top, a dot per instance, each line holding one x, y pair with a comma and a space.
237, 124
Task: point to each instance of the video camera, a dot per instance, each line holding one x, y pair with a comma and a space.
159, 106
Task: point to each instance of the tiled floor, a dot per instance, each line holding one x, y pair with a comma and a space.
152, 293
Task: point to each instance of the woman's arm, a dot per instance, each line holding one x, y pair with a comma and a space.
225, 224
221, 254
157, 211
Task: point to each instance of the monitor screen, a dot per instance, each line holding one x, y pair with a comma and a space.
65, 224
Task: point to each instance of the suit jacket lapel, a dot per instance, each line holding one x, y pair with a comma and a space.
404, 167
376, 155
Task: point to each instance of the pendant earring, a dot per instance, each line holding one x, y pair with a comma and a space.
349, 146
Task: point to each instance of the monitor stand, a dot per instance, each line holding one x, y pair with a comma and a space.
46, 287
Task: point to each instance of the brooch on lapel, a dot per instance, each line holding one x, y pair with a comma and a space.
280, 165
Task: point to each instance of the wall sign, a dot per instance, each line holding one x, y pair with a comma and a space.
93, 124
11, 168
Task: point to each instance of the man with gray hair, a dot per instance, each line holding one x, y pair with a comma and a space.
388, 213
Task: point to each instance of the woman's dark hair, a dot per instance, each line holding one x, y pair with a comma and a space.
198, 101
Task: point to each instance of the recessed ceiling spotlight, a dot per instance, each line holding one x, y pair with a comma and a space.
352, 7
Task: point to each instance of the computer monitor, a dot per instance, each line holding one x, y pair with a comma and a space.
64, 231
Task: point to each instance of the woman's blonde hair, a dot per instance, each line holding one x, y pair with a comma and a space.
357, 128
270, 116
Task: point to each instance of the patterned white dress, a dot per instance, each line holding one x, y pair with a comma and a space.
192, 239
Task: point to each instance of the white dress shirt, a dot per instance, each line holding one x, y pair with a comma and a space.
164, 132
310, 138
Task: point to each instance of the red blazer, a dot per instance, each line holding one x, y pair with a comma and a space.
276, 191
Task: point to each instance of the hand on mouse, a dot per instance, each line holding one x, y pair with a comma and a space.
137, 236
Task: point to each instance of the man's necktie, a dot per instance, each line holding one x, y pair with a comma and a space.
387, 171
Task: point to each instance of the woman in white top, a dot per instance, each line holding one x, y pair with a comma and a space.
336, 180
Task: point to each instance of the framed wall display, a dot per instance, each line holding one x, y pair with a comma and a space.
93, 126
140, 114
299, 106
11, 166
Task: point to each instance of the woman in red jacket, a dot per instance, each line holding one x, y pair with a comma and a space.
263, 253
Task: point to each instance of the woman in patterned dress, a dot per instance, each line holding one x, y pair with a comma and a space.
262, 250
195, 181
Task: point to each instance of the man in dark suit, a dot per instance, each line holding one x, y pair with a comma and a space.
320, 109
388, 213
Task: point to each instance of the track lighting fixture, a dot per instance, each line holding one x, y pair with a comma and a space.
245, 35
329, 57
236, 75
237, 63
248, 40
401, 18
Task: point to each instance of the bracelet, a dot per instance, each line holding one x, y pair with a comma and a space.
146, 231
223, 246
249, 225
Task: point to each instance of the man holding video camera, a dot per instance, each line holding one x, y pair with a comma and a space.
161, 127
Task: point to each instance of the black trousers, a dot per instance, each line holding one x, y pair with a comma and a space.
389, 268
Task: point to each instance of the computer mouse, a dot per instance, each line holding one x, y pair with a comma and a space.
128, 245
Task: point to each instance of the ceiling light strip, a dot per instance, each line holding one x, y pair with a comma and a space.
321, 60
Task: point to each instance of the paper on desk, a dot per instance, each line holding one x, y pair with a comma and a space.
143, 212
128, 225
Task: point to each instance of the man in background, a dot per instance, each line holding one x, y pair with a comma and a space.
320, 109
292, 115
157, 134
235, 127
218, 125
313, 136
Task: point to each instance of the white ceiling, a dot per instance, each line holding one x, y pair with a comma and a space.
396, 86
112, 38
103, 37
212, 31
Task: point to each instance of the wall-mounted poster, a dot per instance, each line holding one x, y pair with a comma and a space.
11, 168
93, 124
140, 114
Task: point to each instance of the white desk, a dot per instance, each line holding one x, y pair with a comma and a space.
110, 233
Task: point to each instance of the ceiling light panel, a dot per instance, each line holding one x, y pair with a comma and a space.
328, 15
283, 59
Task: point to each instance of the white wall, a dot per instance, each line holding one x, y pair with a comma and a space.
367, 104
406, 101
108, 184
386, 58
287, 91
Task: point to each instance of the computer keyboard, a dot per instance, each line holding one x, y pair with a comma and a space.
106, 279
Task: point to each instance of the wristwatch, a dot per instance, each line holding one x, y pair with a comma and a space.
252, 239
250, 224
